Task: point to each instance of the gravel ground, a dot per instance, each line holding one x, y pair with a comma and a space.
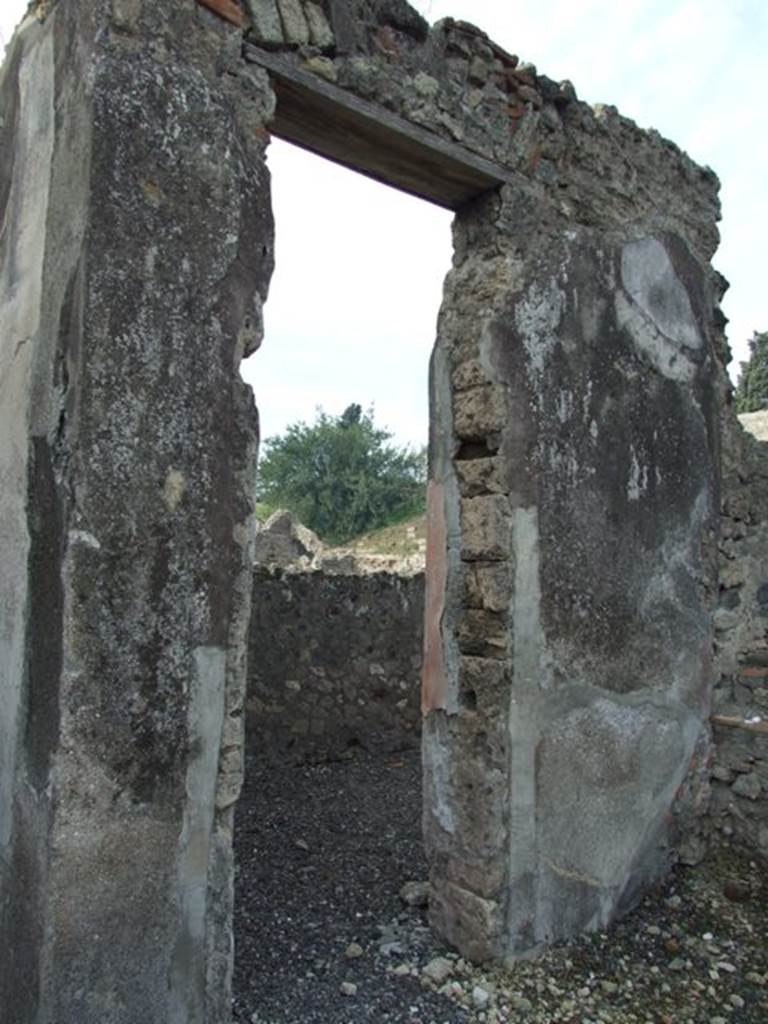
323, 936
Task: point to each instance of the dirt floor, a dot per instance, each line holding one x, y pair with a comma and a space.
323, 936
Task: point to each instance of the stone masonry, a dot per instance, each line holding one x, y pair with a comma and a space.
577, 384
739, 810
334, 649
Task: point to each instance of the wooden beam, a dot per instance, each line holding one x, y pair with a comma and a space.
329, 121
759, 727
227, 9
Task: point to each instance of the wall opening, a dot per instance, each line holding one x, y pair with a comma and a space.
329, 826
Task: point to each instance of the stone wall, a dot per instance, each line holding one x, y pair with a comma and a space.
452, 80
134, 259
576, 390
335, 647
574, 462
739, 810
334, 662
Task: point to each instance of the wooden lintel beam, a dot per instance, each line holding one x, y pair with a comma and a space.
329, 121
229, 10
728, 722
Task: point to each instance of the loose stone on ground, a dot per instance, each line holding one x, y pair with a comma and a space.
335, 940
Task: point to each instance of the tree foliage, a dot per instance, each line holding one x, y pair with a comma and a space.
340, 475
752, 389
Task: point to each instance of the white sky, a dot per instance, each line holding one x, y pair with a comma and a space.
352, 309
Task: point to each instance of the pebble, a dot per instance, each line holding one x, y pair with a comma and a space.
438, 970
415, 894
736, 890
480, 997
353, 951
519, 1002
392, 948
736, 1001
727, 967
348, 988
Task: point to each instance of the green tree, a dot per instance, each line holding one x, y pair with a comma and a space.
340, 475
752, 389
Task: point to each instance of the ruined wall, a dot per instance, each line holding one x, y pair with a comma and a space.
572, 561
334, 649
739, 811
135, 252
579, 428
572, 569
595, 166
334, 662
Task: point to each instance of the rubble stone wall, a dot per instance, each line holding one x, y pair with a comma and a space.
739, 809
577, 383
334, 661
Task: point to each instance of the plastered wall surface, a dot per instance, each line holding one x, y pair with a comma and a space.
574, 494
138, 239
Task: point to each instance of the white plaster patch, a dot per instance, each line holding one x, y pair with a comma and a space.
174, 489
526, 609
637, 484
437, 759
537, 317
150, 262
564, 405
566, 466
22, 257
83, 537
656, 310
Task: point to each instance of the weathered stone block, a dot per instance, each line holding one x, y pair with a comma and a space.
482, 633
469, 922
267, 27
468, 373
479, 412
485, 681
321, 66
480, 476
747, 786
295, 27
320, 31
486, 528
488, 586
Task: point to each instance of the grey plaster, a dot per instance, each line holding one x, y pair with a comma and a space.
21, 286
206, 720
603, 802
659, 315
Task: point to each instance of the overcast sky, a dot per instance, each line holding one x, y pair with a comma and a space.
352, 309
